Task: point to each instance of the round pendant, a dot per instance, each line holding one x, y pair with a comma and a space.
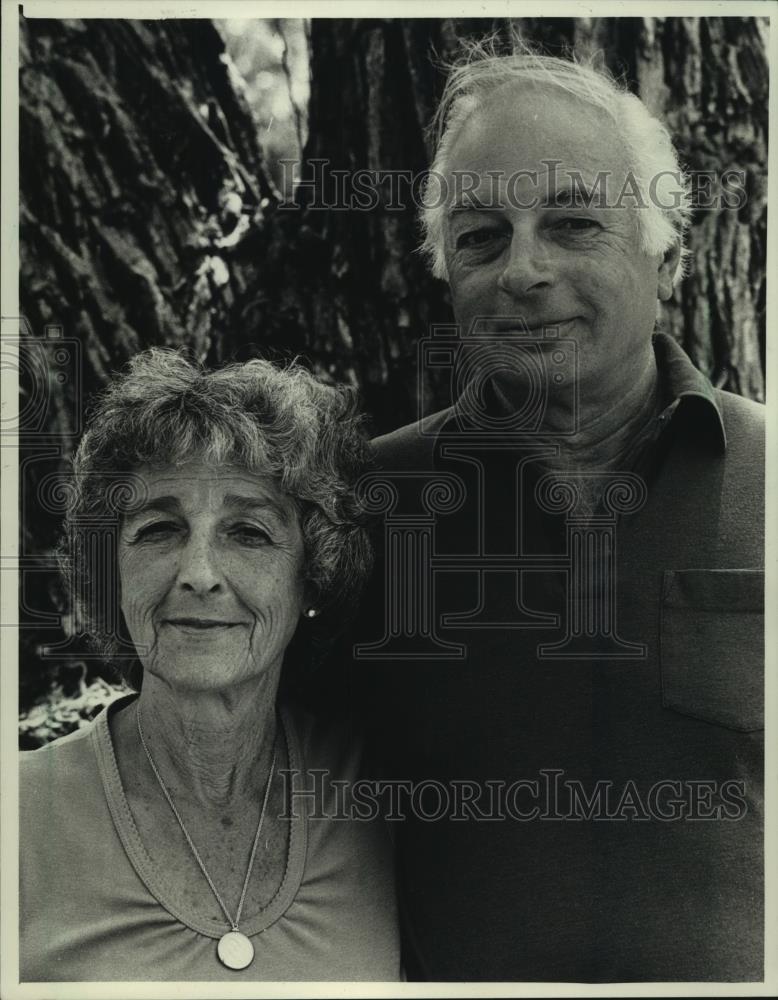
235, 950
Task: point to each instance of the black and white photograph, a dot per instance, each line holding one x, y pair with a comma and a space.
385, 499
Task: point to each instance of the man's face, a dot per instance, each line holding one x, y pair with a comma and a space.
557, 262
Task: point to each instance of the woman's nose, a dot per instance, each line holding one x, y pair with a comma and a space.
198, 569
527, 269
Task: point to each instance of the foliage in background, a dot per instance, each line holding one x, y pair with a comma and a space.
60, 711
272, 65
140, 169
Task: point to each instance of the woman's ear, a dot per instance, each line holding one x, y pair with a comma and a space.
667, 270
311, 600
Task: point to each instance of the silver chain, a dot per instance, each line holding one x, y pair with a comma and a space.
233, 923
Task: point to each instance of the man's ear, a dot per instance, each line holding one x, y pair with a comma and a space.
667, 268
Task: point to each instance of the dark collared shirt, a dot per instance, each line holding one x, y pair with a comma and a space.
679, 384
590, 685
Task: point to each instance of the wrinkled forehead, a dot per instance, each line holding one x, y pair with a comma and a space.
532, 136
198, 486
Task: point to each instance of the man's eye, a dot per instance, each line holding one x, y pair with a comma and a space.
577, 224
157, 530
250, 534
476, 238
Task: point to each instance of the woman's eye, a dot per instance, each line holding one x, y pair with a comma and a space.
250, 534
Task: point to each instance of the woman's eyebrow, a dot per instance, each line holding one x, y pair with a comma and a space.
234, 501
162, 505
248, 504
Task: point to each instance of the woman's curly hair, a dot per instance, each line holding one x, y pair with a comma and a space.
165, 411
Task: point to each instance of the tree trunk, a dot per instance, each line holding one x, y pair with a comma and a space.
137, 156
367, 297
147, 216
707, 78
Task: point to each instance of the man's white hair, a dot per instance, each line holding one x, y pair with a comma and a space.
649, 148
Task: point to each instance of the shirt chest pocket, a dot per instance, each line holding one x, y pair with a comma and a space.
712, 646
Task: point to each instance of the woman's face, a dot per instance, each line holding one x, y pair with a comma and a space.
211, 575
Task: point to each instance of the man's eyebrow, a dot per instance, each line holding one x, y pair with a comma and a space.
579, 195
470, 205
464, 205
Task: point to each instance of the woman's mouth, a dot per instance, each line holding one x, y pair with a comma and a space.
201, 624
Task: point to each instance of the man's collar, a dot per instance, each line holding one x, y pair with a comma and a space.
684, 384
686, 391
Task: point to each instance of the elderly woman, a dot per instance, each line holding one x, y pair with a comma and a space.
191, 832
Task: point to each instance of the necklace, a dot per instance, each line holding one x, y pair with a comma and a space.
234, 949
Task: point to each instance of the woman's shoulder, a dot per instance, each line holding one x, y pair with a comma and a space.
62, 768
55, 775
56, 753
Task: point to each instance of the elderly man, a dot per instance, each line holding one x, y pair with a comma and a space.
562, 661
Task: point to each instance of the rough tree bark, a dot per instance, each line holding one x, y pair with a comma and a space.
147, 216
137, 155
708, 79
367, 288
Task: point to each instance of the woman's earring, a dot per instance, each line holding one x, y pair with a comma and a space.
310, 612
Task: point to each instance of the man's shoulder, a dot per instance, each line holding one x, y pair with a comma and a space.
744, 419
412, 446
745, 408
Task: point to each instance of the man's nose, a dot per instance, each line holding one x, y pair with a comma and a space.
527, 267
198, 569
